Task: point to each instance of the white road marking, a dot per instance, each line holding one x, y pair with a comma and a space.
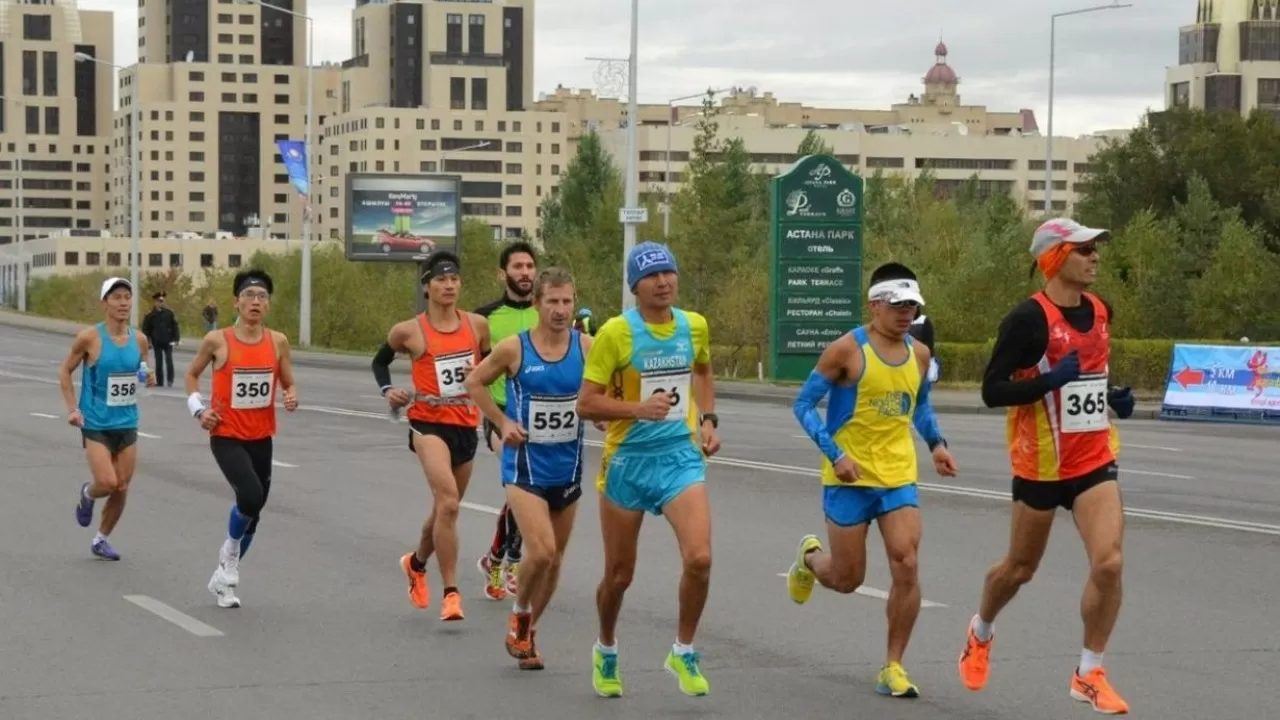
1124, 471
277, 463
44, 415
1162, 448
182, 620
884, 595
480, 508
148, 435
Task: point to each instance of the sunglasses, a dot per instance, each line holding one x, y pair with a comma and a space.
1086, 250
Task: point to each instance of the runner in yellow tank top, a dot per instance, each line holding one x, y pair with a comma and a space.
874, 382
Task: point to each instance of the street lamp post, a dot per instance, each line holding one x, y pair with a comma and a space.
304, 312
22, 262
135, 188
1053, 32
666, 174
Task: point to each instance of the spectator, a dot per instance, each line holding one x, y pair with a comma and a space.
210, 315
922, 330
161, 328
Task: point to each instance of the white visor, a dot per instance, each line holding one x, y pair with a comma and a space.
896, 291
111, 284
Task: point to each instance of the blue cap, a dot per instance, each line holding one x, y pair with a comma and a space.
649, 258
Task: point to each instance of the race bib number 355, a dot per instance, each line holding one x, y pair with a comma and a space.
675, 385
553, 420
122, 389
1084, 404
251, 389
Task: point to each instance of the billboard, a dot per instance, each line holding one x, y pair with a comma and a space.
1226, 383
400, 218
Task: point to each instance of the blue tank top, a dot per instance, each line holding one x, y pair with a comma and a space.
543, 397
109, 387
663, 365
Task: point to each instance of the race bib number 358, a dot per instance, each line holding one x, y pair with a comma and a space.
251, 389
1084, 404
675, 385
122, 389
451, 373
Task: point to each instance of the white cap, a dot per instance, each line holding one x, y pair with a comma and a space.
111, 284
896, 291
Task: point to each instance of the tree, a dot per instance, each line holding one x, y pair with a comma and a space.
1238, 295
573, 203
812, 144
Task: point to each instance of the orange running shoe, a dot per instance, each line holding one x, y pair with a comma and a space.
519, 641
975, 661
1094, 689
419, 594
451, 607
534, 661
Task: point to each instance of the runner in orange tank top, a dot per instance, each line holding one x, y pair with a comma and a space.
444, 343
1050, 367
248, 360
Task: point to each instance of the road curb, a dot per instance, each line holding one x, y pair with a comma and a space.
725, 389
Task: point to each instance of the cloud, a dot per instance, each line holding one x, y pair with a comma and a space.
1109, 66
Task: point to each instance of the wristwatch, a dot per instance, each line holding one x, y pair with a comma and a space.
712, 418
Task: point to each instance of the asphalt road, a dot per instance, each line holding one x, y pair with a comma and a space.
327, 631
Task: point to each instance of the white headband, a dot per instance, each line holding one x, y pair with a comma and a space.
895, 290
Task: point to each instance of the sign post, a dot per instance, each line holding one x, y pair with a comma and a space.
815, 283
403, 218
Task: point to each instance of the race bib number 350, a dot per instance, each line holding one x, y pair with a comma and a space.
251, 389
451, 373
675, 385
1084, 404
553, 420
122, 389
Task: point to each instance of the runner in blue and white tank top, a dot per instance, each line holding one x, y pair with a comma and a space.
106, 410
542, 440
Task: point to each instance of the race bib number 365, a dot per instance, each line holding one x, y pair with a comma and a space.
553, 420
1084, 404
675, 385
122, 389
251, 388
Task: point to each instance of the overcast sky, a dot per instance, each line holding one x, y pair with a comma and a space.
839, 53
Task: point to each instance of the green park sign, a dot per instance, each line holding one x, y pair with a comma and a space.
815, 288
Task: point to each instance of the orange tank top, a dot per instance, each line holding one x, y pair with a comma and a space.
439, 373
244, 389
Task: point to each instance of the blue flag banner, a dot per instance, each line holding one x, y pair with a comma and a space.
294, 153
1225, 383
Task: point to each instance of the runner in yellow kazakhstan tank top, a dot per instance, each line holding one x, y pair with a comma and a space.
874, 379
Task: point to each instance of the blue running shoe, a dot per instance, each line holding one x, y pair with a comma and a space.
84, 508
103, 549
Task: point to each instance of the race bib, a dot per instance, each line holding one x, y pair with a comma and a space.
676, 385
451, 373
1084, 404
251, 389
122, 389
553, 420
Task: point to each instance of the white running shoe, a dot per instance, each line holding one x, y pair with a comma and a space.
222, 592
229, 564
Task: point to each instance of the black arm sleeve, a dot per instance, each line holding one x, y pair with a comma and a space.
1021, 342
382, 366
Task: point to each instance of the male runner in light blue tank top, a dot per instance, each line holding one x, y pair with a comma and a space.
107, 409
542, 438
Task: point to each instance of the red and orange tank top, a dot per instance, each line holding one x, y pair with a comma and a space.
439, 374
1066, 434
244, 389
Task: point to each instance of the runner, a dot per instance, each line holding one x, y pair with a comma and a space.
249, 360
1049, 366
542, 453
444, 343
922, 331
508, 316
107, 410
875, 382
649, 375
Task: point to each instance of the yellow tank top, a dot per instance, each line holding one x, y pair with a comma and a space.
871, 420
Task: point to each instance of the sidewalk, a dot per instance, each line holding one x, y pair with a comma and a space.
944, 400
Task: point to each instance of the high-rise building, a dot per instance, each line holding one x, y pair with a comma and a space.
1229, 58
55, 117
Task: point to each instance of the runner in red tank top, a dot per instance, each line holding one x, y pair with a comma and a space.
1050, 368
444, 344
250, 363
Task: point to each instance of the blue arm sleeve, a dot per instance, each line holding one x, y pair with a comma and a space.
925, 420
806, 412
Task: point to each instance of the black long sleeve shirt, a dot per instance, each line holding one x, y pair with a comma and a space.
1022, 340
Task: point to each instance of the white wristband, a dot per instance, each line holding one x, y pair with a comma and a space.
195, 403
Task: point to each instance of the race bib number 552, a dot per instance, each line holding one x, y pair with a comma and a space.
553, 420
251, 389
1084, 404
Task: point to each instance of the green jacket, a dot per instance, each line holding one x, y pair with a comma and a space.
506, 317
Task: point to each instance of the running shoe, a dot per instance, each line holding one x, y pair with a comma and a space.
84, 507
685, 666
224, 594
605, 676
511, 570
534, 661
1094, 689
494, 589
519, 642
975, 660
229, 563
800, 578
103, 549
419, 593
451, 607
895, 682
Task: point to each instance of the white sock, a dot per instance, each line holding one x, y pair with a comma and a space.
984, 630
1088, 661
99, 537
519, 610
680, 649
607, 649
231, 548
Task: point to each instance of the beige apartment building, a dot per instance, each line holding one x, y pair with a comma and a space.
55, 117
1229, 58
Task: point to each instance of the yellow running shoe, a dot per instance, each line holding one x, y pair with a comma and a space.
800, 578
894, 681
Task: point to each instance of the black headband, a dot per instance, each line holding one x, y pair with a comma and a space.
443, 267
252, 282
